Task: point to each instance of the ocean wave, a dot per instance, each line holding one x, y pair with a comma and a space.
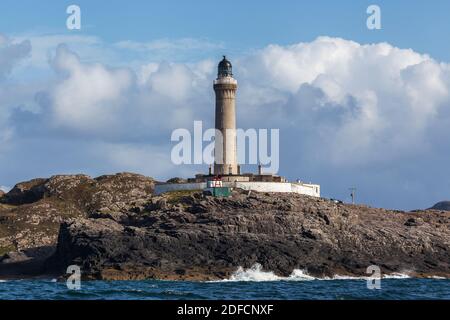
438, 278
256, 274
396, 275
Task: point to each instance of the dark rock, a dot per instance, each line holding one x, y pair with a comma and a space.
443, 205
26, 192
14, 257
412, 222
212, 237
309, 234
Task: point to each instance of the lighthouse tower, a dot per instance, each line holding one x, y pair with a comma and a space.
225, 154
225, 87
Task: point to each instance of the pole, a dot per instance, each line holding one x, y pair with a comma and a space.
353, 194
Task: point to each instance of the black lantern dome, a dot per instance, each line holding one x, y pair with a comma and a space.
225, 68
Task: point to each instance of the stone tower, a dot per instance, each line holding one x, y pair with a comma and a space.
225, 87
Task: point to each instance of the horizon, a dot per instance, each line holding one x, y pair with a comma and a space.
355, 107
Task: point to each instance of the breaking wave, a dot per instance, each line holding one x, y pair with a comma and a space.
256, 274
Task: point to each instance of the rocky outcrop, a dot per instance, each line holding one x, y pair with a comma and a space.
196, 237
112, 192
443, 205
32, 212
113, 227
176, 180
25, 192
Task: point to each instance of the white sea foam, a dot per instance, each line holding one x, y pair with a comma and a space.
396, 275
386, 276
255, 273
438, 278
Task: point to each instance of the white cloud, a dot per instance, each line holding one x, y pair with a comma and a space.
120, 103
89, 95
381, 99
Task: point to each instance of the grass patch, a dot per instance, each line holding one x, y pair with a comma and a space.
176, 196
6, 249
7, 206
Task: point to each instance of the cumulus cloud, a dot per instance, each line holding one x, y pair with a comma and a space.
120, 103
88, 95
375, 102
349, 114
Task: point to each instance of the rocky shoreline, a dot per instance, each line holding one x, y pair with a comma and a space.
114, 228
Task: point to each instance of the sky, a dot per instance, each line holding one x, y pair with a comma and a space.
355, 107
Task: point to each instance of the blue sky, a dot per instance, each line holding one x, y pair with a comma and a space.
241, 25
355, 107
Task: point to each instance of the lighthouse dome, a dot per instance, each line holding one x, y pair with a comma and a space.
225, 68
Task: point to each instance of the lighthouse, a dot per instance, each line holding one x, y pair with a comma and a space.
227, 173
225, 87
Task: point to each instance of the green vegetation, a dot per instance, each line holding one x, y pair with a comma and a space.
7, 206
6, 249
176, 196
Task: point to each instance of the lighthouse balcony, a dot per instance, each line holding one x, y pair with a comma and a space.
225, 80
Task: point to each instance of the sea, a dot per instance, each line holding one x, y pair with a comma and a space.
250, 284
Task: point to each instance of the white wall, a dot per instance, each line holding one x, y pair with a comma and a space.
307, 189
